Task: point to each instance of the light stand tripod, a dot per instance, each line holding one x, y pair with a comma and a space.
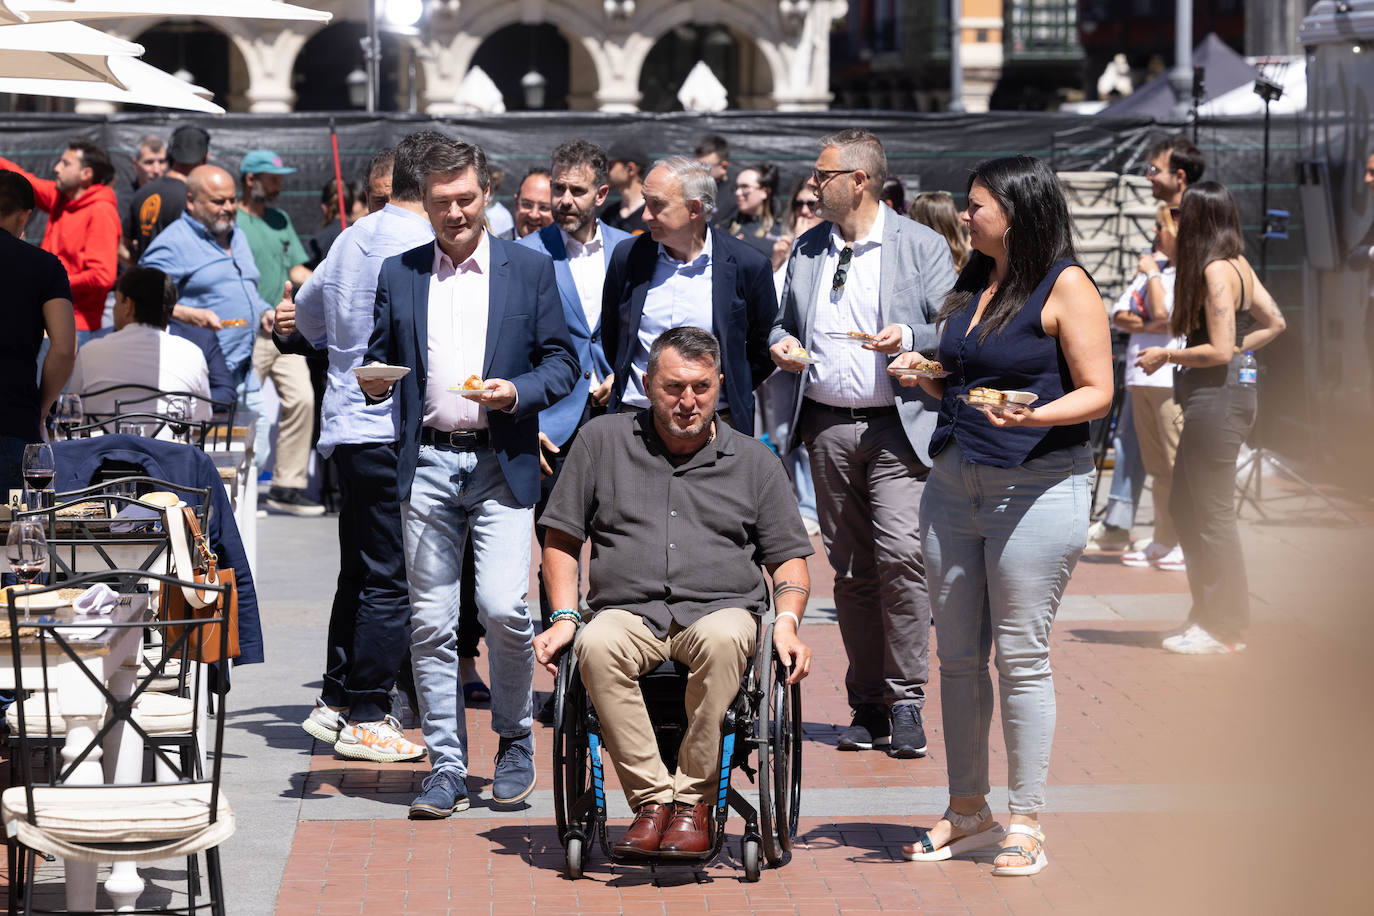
1250, 472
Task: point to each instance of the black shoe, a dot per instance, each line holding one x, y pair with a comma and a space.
869, 729
908, 737
292, 502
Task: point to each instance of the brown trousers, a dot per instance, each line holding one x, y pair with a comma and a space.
1158, 421
615, 648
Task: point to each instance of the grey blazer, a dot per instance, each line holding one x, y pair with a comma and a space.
915, 274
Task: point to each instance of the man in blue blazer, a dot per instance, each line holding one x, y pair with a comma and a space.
581, 246
478, 323
681, 272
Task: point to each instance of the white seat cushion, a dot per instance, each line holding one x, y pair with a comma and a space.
175, 815
164, 714
35, 716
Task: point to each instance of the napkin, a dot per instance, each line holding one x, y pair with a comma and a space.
97, 601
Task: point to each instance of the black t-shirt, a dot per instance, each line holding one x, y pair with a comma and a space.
157, 205
32, 277
633, 224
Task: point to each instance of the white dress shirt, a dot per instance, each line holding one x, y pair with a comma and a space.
459, 297
587, 263
1135, 296
679, 294
140, 354
847, 375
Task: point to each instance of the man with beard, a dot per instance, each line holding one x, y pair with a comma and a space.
207, 255
675, 575
581, 246
281, 258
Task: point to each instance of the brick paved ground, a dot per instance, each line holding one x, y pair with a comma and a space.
1195, 785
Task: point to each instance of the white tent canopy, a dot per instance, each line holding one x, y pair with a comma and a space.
85, 10
61, 51
142, 85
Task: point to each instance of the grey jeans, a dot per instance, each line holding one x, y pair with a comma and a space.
1000, 545
868, 496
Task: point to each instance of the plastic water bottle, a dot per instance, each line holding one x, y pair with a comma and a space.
1249, 369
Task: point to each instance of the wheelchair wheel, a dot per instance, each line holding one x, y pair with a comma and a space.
785, 740
749, 856
573, 851
571, 772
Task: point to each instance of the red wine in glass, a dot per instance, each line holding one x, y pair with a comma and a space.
39, 479
27, 572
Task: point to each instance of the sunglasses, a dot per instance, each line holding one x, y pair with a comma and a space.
804, 204
842, 271
821, 176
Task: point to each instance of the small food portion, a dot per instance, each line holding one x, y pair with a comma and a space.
986, 396
928, 365
234, 323
860, 335
800, 353
473, 383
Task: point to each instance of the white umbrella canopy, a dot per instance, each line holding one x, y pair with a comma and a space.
142, 84
87, 10
66, 51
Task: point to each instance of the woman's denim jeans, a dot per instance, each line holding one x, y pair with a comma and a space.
1000, 544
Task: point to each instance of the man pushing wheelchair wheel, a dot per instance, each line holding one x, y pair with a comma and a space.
681, 511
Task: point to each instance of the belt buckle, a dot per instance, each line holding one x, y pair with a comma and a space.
460, 438
857, 413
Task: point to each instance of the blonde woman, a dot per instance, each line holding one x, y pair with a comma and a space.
936, 209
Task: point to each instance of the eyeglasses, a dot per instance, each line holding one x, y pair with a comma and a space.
804, 204
1151, 171
821, 176
842, 271
745, 188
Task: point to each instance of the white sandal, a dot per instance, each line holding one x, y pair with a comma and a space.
1036, 853
972, 839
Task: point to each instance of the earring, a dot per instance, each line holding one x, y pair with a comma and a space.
1004, 236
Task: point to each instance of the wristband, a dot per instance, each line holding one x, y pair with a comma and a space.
796, 621
567, 613
1153, 276
1167, 357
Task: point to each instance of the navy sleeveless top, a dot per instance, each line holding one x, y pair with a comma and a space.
1020, 357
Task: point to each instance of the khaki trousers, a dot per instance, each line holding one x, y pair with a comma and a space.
615, 648
291, 378
1158, 421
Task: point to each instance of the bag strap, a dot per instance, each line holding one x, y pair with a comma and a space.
178, 519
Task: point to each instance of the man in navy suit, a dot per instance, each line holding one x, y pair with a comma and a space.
581, 246
684, 273
478, 322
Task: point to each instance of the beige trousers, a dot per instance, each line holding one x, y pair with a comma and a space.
615, 648
1158, 421
291, 378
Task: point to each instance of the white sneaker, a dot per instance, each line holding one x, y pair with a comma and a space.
1172, 561
324, 723
1197, 641
1109, 540
381, 742
1148, 556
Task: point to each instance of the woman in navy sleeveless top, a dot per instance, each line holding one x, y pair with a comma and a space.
1004, 516
1223, 309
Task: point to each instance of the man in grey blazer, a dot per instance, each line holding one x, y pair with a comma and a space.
867, 271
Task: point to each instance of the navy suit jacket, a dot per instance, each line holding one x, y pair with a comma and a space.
560, 421
527, 344
743, 305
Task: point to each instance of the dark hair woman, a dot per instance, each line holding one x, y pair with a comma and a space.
755, 188
1004, 515
936, 209
1223, 310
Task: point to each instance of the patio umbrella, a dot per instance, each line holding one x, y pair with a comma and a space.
87, 10
66, 51
139, 84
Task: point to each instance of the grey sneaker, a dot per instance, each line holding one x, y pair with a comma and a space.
292, 502
323, 723
908, 737
869, 729
444, 793
514, 777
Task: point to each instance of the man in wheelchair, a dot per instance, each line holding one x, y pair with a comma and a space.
681, 511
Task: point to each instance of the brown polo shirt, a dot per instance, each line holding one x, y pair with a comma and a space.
673, 544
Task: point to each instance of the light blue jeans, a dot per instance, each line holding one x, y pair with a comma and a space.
1000, 544
455, 492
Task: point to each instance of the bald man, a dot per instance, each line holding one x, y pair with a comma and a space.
208, 256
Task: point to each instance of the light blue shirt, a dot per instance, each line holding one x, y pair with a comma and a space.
335, 307
679, 294
208, 277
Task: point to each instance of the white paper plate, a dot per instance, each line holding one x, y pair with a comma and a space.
48, 601
385, 373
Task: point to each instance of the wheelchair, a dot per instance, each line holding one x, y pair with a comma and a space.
765, 716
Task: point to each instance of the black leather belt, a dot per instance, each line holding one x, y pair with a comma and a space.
458, 440
853, 413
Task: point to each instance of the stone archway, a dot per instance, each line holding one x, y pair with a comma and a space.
509, 53
196, 48
321, 69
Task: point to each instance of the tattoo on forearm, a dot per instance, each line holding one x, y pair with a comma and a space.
780, 589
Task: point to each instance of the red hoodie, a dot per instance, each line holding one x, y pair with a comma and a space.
84, 234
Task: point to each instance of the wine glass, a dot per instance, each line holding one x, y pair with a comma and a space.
27, 551
69, 412
178, 413
38, 468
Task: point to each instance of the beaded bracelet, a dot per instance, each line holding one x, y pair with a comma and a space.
565, 613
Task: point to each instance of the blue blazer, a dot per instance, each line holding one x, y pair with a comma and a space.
559, 422
527, 344
744, 303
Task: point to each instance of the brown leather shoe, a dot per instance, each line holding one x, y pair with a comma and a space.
688, 834
642, 839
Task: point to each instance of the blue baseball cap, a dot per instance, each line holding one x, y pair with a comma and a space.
263, 161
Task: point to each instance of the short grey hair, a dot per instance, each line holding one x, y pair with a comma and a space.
689, 342
151, 142
697, 183
860, 149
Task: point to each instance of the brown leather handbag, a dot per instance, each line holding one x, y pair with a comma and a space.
187, 603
